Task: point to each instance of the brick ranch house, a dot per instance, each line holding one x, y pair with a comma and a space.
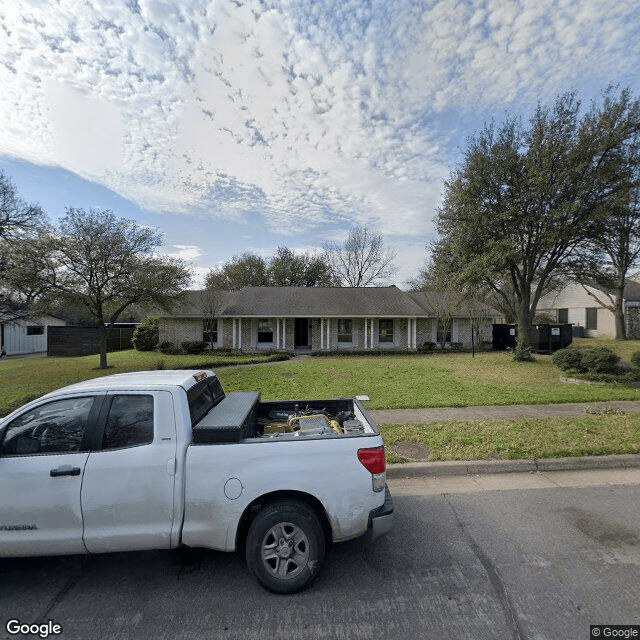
323, 319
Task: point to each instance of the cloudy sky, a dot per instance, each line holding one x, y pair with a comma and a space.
238, 125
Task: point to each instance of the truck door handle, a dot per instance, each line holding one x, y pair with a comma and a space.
65, 470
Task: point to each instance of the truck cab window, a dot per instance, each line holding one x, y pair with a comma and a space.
129, 423
55, 427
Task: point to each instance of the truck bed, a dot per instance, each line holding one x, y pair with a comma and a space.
242, 416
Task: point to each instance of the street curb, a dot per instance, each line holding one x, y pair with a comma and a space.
478, 467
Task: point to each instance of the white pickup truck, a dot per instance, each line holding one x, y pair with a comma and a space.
160, 459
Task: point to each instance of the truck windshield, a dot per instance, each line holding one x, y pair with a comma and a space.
203, 397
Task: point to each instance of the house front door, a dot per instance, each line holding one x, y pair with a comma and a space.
301, 338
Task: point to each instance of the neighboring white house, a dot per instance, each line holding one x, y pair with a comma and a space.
23, 337
579, 305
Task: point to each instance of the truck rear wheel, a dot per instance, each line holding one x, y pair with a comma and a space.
285, 546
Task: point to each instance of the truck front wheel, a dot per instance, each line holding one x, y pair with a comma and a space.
285, 546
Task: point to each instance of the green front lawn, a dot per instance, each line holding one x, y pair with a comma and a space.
24, 379
440, 380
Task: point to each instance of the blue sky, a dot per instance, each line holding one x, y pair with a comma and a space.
239, 126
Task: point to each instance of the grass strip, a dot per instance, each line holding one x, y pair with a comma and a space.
517, 439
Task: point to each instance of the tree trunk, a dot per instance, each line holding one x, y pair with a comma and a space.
524, 320
102, 341
621, 328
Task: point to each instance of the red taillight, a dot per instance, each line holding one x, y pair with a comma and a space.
372, 460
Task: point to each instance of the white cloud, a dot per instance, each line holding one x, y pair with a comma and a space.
185, 252
311, 113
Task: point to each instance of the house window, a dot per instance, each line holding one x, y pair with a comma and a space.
592, 318
35, 330
444, 332
345, 330
563, 316
210, 331
265, 331
385, 330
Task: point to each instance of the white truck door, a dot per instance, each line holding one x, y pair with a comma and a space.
128, 488
42, 460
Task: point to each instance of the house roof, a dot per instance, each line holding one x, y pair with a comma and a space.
434, 303
632, 290
323, 302
301, 302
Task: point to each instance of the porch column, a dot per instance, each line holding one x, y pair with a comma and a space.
368, 333
237, 333
412, 333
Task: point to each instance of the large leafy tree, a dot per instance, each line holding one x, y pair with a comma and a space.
107, 264
288, 268
245, 270
361, 260
526, 196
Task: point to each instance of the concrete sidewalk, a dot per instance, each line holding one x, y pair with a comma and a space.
440, 414
477, 467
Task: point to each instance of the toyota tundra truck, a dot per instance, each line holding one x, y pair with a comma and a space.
161, 459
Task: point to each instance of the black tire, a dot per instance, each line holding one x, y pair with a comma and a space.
285, 546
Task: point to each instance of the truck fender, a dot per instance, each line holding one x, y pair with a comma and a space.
278, 496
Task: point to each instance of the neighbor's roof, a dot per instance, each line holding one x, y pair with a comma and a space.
632, 290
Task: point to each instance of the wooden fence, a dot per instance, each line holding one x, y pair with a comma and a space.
84, 341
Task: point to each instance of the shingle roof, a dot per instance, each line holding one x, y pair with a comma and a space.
301, 302
632, 290
434, 302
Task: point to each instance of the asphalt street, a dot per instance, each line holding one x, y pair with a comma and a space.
539, 556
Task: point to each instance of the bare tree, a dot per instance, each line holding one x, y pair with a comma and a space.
17, 217
211, 303
614, 250
18, 220
361, 260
